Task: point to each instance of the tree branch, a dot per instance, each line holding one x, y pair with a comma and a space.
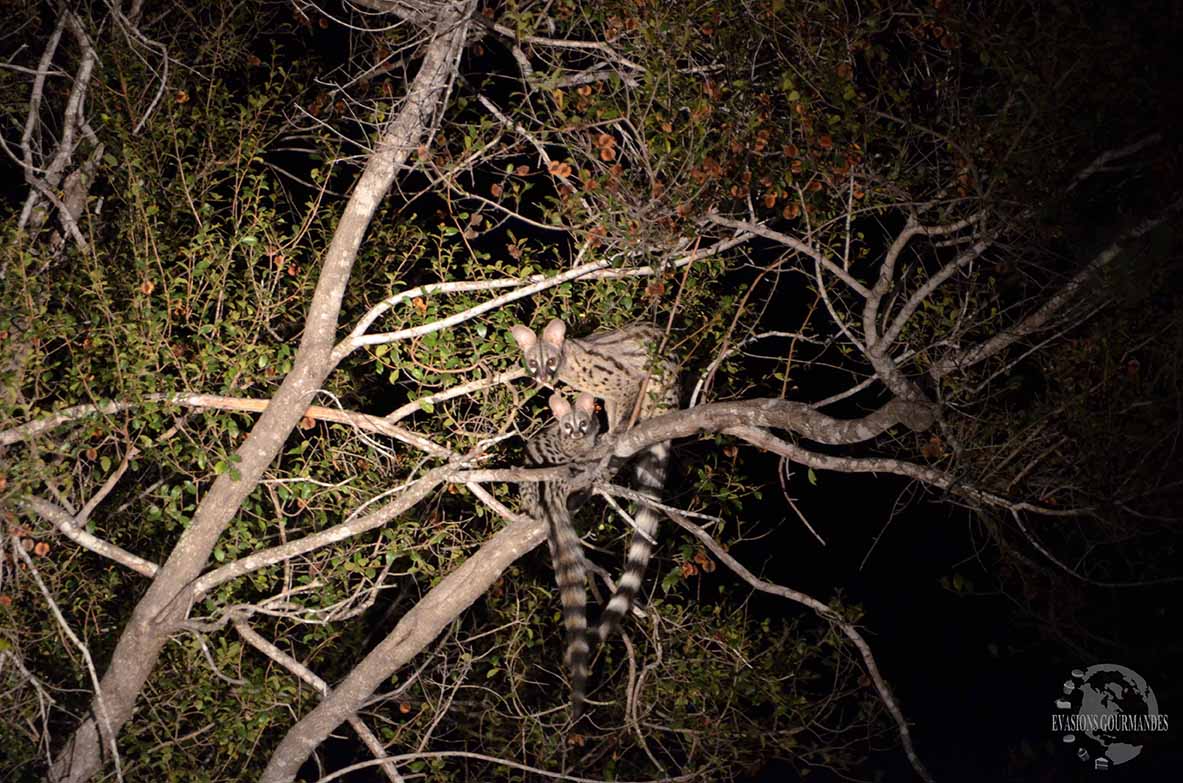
417, 628
308, 677
158, 611
795, 417
101, 708
794, 243
67, 526
826, 613
1044, 314
362, 421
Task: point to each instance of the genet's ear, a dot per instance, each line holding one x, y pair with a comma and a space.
559, 406
523, 336
554, 333
586, 404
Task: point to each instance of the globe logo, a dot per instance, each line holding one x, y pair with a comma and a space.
1106, 714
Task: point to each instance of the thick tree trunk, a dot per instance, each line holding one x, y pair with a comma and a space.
157, 613
417, 628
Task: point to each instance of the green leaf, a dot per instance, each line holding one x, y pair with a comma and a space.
811, 476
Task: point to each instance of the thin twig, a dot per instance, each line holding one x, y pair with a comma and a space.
826, 613
19, 551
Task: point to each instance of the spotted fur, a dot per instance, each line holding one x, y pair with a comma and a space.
619, 367
568, 438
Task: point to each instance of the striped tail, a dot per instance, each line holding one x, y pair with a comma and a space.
650, 470
566, 553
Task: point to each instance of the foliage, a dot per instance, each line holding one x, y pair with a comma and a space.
829, 121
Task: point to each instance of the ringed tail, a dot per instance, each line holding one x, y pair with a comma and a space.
651, 471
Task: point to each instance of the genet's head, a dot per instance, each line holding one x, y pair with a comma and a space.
578, 422
542, 357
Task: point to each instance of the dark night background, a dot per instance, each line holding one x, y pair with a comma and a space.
976, 669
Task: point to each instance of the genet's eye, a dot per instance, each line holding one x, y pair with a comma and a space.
533, 365
553, 363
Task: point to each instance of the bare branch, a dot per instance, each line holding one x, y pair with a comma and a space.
353, 342
963, 259
796, 244
567, 43
595, 270
440, 606
795, 417
410, 496
460, 754
308, 677
418, 12
1102, 161
68, 527
886, 278
140, 643
100, 702
360, 420
1049, 309
826, 613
